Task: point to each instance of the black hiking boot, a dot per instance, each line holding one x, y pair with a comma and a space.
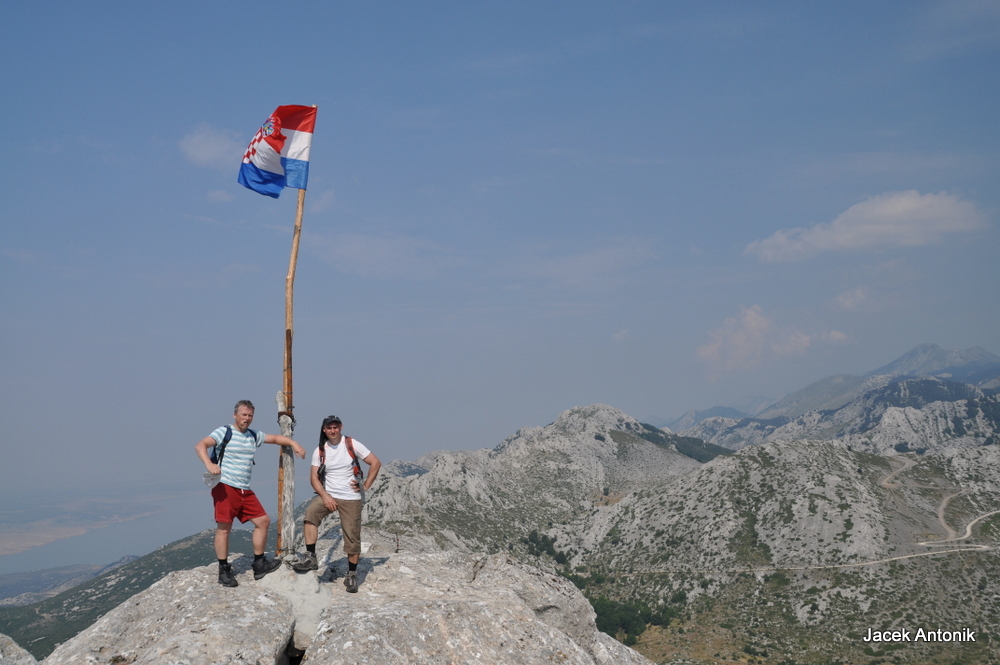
262, 567
226, 577
351, 581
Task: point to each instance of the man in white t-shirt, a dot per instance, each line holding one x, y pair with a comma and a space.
339, 483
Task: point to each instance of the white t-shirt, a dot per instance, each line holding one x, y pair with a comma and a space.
339, 471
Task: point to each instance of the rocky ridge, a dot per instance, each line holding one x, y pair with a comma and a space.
888, 417
790, 548
796, 548
484, 498
49, 583
415, 607
975, 366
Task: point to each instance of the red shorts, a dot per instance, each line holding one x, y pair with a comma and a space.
231, 502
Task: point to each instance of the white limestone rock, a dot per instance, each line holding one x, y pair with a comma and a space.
538, 477
188, 618
423, 607
450, 607
12, 654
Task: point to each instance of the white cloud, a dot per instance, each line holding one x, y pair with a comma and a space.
620, 336
834, 337
739, 342
894, 219
382, 256
321, 201
516, 62
220, 196
725, 27
26, 257
852, 300
953, 27
793, 343
490, 185
592, 267
211, 146
750, 339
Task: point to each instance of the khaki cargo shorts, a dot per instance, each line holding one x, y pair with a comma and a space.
350, 520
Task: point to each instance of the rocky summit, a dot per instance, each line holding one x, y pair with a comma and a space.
481, 499
426, 607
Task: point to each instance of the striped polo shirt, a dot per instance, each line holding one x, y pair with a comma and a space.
237, 463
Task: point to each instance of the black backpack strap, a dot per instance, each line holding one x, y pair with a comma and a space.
219, 449
321, 471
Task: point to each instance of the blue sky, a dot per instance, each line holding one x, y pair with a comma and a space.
513, 208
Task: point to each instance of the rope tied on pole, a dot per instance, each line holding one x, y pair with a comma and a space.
289, 414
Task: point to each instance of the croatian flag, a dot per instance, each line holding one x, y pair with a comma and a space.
278, 155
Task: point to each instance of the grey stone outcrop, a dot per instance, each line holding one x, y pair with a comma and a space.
429, 607
449, 607
187, 618
12, 654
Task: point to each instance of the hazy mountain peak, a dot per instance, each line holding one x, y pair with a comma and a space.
926, 359
694, 416
581, 419
828, 393
974, 365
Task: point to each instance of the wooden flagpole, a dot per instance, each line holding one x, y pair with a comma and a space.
286, 420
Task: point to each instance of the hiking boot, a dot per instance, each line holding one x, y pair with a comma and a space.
226, 577
306, 563
262, 567
351, 581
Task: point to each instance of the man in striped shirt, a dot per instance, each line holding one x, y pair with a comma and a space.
232, 495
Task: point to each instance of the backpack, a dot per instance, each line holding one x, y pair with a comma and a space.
219, 449
355, 464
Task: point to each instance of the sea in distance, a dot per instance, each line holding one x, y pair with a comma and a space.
52, 530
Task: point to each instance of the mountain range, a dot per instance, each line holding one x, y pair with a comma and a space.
790, 539
975, 365
784, 552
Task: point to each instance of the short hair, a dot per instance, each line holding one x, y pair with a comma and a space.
244, 402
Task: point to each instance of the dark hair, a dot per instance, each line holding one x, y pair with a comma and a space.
244, 402
329, 420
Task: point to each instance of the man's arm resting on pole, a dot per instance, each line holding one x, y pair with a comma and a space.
281, 440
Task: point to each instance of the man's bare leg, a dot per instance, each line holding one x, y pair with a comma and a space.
260, 526
222, 530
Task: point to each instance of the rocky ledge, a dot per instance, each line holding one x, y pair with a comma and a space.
429, 607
